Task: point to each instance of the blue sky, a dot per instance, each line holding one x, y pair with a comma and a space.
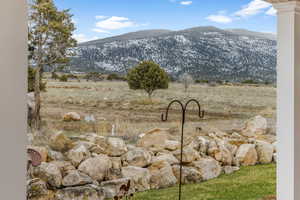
96, 19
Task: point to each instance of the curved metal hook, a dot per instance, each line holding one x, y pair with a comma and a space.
201, 112
165, 117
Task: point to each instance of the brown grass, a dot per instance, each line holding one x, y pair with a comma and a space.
114, 104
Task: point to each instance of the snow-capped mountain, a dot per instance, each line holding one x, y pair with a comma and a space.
207, 53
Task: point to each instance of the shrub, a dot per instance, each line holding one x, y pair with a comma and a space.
249, 81
54, 75
31, 81
147, 76
93, 76
63, 78
115, 77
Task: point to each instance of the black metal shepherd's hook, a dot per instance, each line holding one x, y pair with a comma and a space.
165, 118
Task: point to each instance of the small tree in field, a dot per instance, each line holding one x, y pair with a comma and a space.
186, 81
147, 76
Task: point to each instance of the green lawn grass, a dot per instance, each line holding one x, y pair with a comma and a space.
250, 183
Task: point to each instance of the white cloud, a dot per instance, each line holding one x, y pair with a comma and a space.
219, 18
114, 23
98, 30
253, 8
186, 3
83, 38
271, 11
100, 17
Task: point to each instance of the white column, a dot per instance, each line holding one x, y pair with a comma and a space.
13, 47
288, 115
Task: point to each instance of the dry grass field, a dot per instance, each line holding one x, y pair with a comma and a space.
130, 112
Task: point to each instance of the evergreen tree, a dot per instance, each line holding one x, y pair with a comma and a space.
50, 37
148, 76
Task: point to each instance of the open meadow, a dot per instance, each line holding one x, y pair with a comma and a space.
127, 113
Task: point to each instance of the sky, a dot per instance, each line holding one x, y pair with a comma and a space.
97, 19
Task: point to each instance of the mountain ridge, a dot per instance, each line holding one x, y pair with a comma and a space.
205, 52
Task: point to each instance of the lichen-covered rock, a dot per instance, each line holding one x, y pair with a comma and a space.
223, 155
115, 147
97, 167
137, 157
188, 155
115, 170
49, 173
201, 144
115, 188
60, 142
37, 190
161, 175
170, 158
54, 155
189, 174
77, 154
255, 126
87, 192
265, 152
76, 178
139, 176
209, 168
247, 155
71, 116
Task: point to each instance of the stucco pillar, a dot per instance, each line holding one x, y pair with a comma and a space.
13, 47
288, 104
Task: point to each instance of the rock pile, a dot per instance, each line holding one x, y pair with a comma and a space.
94, 167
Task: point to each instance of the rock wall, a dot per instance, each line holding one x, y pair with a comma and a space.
93, 167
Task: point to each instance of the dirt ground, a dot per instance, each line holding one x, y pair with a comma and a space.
129, 113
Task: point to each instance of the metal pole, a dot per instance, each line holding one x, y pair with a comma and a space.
165, 118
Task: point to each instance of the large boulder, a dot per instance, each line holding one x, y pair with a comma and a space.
71, 116
188, 154
87, 192
161, 175
60, 142
49, 173
247, 155
117, 188
170, 158
264, 151
76, 178
154, 140
137, 157
209, 168
77, 154
97, 167
115, 147
139, 176
255, 126
189, 174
